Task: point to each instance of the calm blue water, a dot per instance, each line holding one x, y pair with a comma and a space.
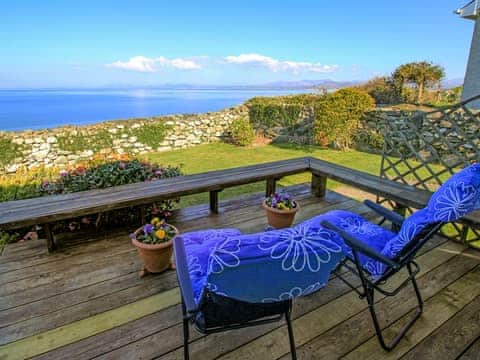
35, 109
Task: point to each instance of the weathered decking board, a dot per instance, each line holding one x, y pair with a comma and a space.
103, 310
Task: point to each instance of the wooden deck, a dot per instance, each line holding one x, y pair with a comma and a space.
87, 301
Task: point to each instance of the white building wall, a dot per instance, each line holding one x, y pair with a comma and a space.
471, 85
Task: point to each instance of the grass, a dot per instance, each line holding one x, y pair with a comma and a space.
219, 156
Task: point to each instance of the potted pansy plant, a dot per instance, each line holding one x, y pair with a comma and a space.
154, 244
281, 209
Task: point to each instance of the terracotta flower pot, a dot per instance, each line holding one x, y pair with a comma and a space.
156, 257
280, 218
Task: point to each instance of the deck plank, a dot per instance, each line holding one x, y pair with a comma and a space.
452, 338
103, 310
438, 310
472, 352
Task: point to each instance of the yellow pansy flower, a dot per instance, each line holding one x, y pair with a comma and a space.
155, 221
160, 234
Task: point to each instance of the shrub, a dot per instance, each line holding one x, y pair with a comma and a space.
278, 111
242, 132
150, 134
106, 175
337, 116
383, 90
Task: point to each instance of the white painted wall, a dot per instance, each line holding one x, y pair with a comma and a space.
472, 77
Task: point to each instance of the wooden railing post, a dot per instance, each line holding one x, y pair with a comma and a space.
214, 201
271, 186
319, 185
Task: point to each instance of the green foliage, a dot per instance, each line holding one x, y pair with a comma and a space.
7, 238
383, 90
282, 111
337, 116
447, 97
421, 74
23, 184
83, 140
156, 232
150, 134
242, 132
106, 175
8, 151
368, 140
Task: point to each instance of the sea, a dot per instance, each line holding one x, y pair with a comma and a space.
39, 109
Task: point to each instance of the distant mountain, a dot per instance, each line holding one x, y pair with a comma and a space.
275, 85
451, 83
308, 84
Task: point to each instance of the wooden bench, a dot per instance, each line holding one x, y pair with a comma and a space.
45, 210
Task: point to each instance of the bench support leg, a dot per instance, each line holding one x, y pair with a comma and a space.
50, 238
319, 185
214, 201
143, 214
271, 186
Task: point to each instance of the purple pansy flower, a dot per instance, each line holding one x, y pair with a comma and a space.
148, 229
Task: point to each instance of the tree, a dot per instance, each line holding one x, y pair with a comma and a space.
422, 74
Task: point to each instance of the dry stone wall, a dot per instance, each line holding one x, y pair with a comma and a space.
47, 147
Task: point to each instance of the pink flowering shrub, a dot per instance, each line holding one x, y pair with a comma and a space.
107, 175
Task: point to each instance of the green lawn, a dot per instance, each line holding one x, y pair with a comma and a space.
222, 156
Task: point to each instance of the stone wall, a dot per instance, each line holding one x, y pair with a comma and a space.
44, 147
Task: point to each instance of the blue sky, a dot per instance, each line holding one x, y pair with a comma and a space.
143, 43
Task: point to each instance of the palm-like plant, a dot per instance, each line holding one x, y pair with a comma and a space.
423, 74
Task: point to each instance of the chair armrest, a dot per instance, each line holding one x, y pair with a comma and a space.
183, 276
390, 215
358, 245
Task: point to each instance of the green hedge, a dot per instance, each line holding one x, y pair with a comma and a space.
337, 116
282, 111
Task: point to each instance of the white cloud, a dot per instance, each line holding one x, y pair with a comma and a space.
183, 64
145, 64
275, 65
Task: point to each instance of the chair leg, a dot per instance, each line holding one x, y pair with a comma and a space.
406, 327
293, 350
186, 333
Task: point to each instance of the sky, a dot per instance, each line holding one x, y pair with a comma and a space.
48, 44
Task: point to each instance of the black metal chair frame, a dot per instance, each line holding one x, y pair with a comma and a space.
216, 313
404, 260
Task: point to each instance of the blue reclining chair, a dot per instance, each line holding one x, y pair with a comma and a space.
229, 280
375, 253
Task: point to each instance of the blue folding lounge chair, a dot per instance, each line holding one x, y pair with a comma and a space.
375, 253
229, 280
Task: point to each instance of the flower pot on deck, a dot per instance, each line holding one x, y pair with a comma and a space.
156, 257
280, 218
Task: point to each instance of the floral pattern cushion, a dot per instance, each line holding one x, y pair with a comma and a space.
198, 246
269, 266
274, 265
369, 233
